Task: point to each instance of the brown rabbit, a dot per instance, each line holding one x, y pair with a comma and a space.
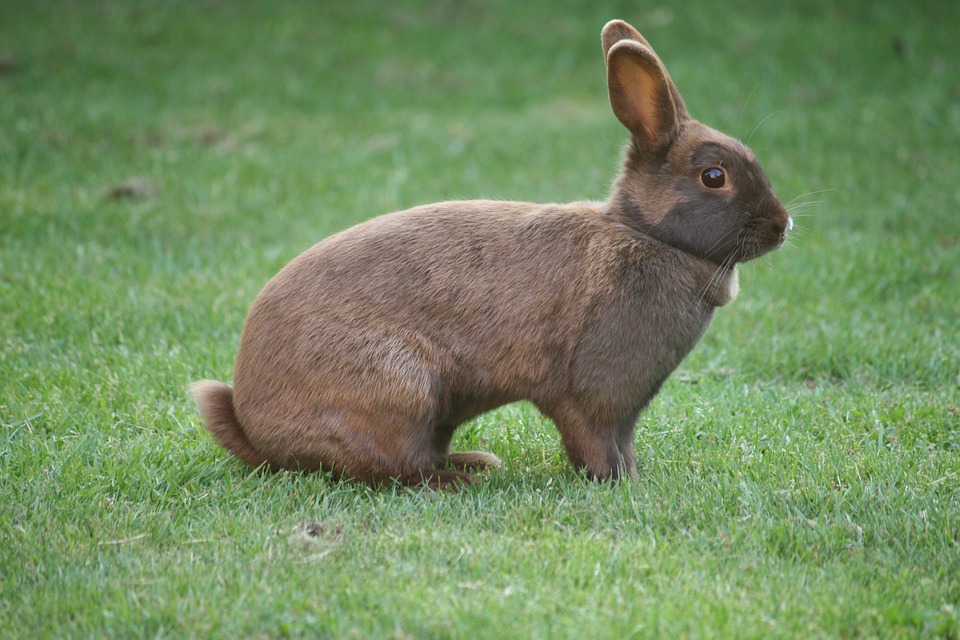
364, 354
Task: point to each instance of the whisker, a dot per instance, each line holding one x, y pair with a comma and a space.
759, 124
803, 213
808, 194
794, 240
802, 205
721, 239
744, 108
718, 276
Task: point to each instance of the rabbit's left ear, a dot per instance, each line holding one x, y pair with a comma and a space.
642, 95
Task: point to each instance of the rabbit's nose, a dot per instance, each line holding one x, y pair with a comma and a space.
783, 222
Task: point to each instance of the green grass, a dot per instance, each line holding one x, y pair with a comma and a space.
799, 474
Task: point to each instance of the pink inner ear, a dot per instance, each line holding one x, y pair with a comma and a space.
649, 111
639, 109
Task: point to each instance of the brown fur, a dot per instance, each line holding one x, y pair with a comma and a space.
364, 354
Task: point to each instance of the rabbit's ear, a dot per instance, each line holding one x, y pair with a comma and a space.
617, 30
642, 94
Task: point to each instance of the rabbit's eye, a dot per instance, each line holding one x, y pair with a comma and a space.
713, 178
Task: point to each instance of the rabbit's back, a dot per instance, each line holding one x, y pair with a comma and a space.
508, 286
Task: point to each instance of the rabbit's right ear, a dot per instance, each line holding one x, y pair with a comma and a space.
642, 93
617, 30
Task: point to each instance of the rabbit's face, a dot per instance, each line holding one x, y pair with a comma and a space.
707, 195
683, 183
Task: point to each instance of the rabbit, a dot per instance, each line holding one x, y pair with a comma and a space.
364, 354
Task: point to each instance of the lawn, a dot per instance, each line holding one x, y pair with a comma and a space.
159, 162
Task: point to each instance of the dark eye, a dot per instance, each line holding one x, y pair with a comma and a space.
713, 178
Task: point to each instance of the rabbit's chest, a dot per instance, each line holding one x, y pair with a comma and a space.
634, 345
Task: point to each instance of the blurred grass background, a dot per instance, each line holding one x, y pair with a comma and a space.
160, 161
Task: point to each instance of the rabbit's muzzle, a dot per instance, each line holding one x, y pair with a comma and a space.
765, 234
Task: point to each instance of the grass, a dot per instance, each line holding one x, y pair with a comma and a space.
799, 473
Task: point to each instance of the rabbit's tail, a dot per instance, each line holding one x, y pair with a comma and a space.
215, 400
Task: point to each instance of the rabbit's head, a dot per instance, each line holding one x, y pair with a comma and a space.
684, 183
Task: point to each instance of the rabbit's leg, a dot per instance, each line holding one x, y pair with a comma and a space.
375, 449
592, 446
379, 475
593, 454
464, 460
469, 460
439, 479
628, 450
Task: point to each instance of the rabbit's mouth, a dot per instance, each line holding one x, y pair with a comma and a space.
763, 236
